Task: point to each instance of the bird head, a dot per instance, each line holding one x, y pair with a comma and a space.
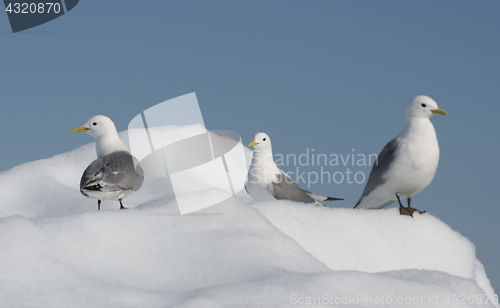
423, 107
96, 126
261, 142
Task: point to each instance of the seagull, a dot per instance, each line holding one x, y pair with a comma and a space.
266, 182
115, 173
407, 163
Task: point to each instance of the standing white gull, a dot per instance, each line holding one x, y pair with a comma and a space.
266, 182
114, 174
407, 164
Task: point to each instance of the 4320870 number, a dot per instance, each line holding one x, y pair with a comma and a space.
33, 8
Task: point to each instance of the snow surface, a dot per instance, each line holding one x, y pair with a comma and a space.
57, 250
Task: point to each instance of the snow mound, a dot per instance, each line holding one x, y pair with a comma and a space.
344, 239
56, 250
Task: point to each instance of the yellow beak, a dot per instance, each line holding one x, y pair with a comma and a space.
78, 129
253, 143
439, 111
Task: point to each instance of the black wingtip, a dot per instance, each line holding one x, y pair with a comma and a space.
333, 199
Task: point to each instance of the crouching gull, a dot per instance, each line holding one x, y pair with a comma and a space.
407, 164
115, 173
267, 182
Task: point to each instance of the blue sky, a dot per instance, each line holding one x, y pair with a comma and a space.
332, 76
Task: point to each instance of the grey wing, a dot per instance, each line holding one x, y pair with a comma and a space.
112, 172
286, 189
92, 176
384, 160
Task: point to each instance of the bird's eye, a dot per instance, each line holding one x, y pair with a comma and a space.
95, 123
264, 139
424, 105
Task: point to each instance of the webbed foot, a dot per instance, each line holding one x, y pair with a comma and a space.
409, 211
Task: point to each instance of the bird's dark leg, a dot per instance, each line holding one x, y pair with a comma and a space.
403, 210
121, 205
399, 200
409, 201
98, 205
